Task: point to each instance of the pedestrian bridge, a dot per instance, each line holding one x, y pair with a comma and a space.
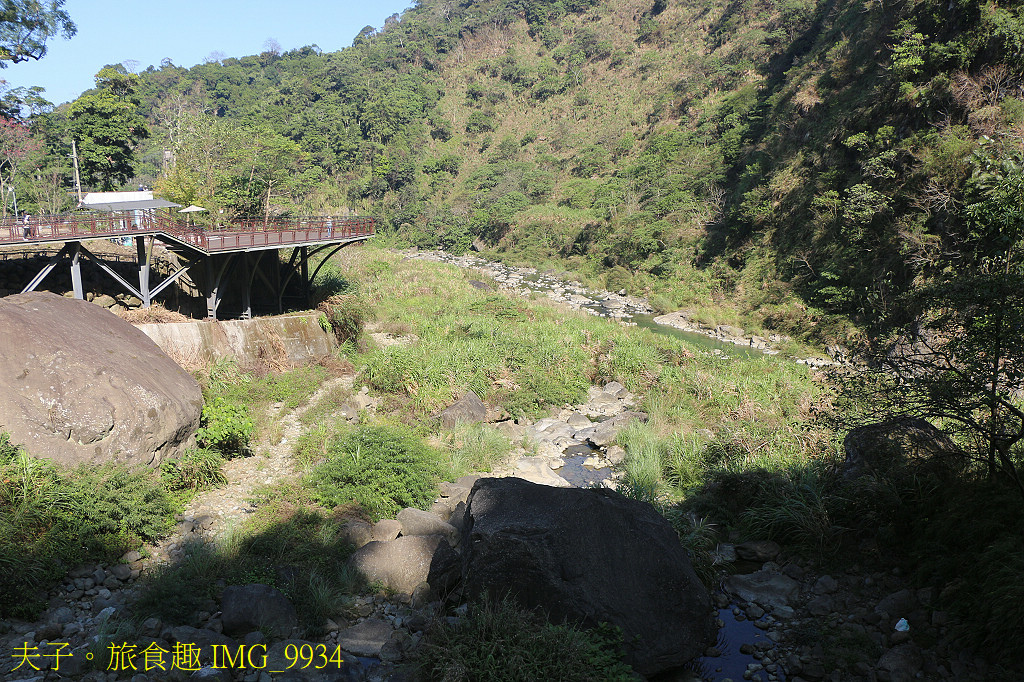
225, 258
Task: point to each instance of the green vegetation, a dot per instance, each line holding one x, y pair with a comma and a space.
107, 125
345, 315
226, 427
288, 543
197, 469
381, 468
237, 387
25, 27
52, 518
501, 641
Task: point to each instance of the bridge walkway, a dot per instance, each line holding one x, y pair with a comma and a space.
226, 253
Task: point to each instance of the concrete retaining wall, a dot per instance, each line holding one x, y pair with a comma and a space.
297, 338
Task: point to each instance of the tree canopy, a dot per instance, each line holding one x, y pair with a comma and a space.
107, 125
26, 26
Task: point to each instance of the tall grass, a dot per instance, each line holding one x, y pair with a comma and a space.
288, 543
474, 448
506, 643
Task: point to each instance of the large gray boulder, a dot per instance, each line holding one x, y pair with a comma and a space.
404, 563
79, 384
588, 556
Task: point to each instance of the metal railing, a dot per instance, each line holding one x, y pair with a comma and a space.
233, 236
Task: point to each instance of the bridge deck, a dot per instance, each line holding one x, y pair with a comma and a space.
219, 249
231, 238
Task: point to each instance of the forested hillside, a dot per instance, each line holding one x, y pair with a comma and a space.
809, 161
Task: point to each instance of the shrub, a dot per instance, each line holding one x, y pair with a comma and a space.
382, 468
480, 122
115, 502
197, 469
52, 518
226, 427
475, 447
506, 643
346, 314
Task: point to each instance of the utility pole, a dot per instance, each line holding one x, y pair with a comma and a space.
78, 182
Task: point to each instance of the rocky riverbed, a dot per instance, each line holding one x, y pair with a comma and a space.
799, 621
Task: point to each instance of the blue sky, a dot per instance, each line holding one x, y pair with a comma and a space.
187, 31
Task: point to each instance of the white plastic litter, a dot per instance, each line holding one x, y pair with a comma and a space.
902, 625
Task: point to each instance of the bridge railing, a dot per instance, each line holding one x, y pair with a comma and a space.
52, 228
226, 237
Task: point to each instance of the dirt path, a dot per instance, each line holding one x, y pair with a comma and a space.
214, 511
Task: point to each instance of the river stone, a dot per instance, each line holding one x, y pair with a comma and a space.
356, 533
763, 587
729, 332
254, 607
202, 638
588, 556
366, 638
469, 409
121, 571
80, 385
467, 481
538, 470
385, 530
604, 433
547, 423
615, 454
419, 522
902, 662
616, 389
62, 615
457, 493
758, 550
578, 420
404, 563
210, 674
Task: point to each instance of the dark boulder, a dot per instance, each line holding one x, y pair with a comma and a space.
469, 409
588, 556
884, 446
254, 607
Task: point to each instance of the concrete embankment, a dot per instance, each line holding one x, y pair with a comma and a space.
296, 339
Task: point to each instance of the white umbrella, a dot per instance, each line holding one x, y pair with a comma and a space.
191, 209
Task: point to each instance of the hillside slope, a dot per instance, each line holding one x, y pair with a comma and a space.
802, 161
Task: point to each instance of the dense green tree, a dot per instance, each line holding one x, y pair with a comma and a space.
239, 167
961, 359
107, 125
